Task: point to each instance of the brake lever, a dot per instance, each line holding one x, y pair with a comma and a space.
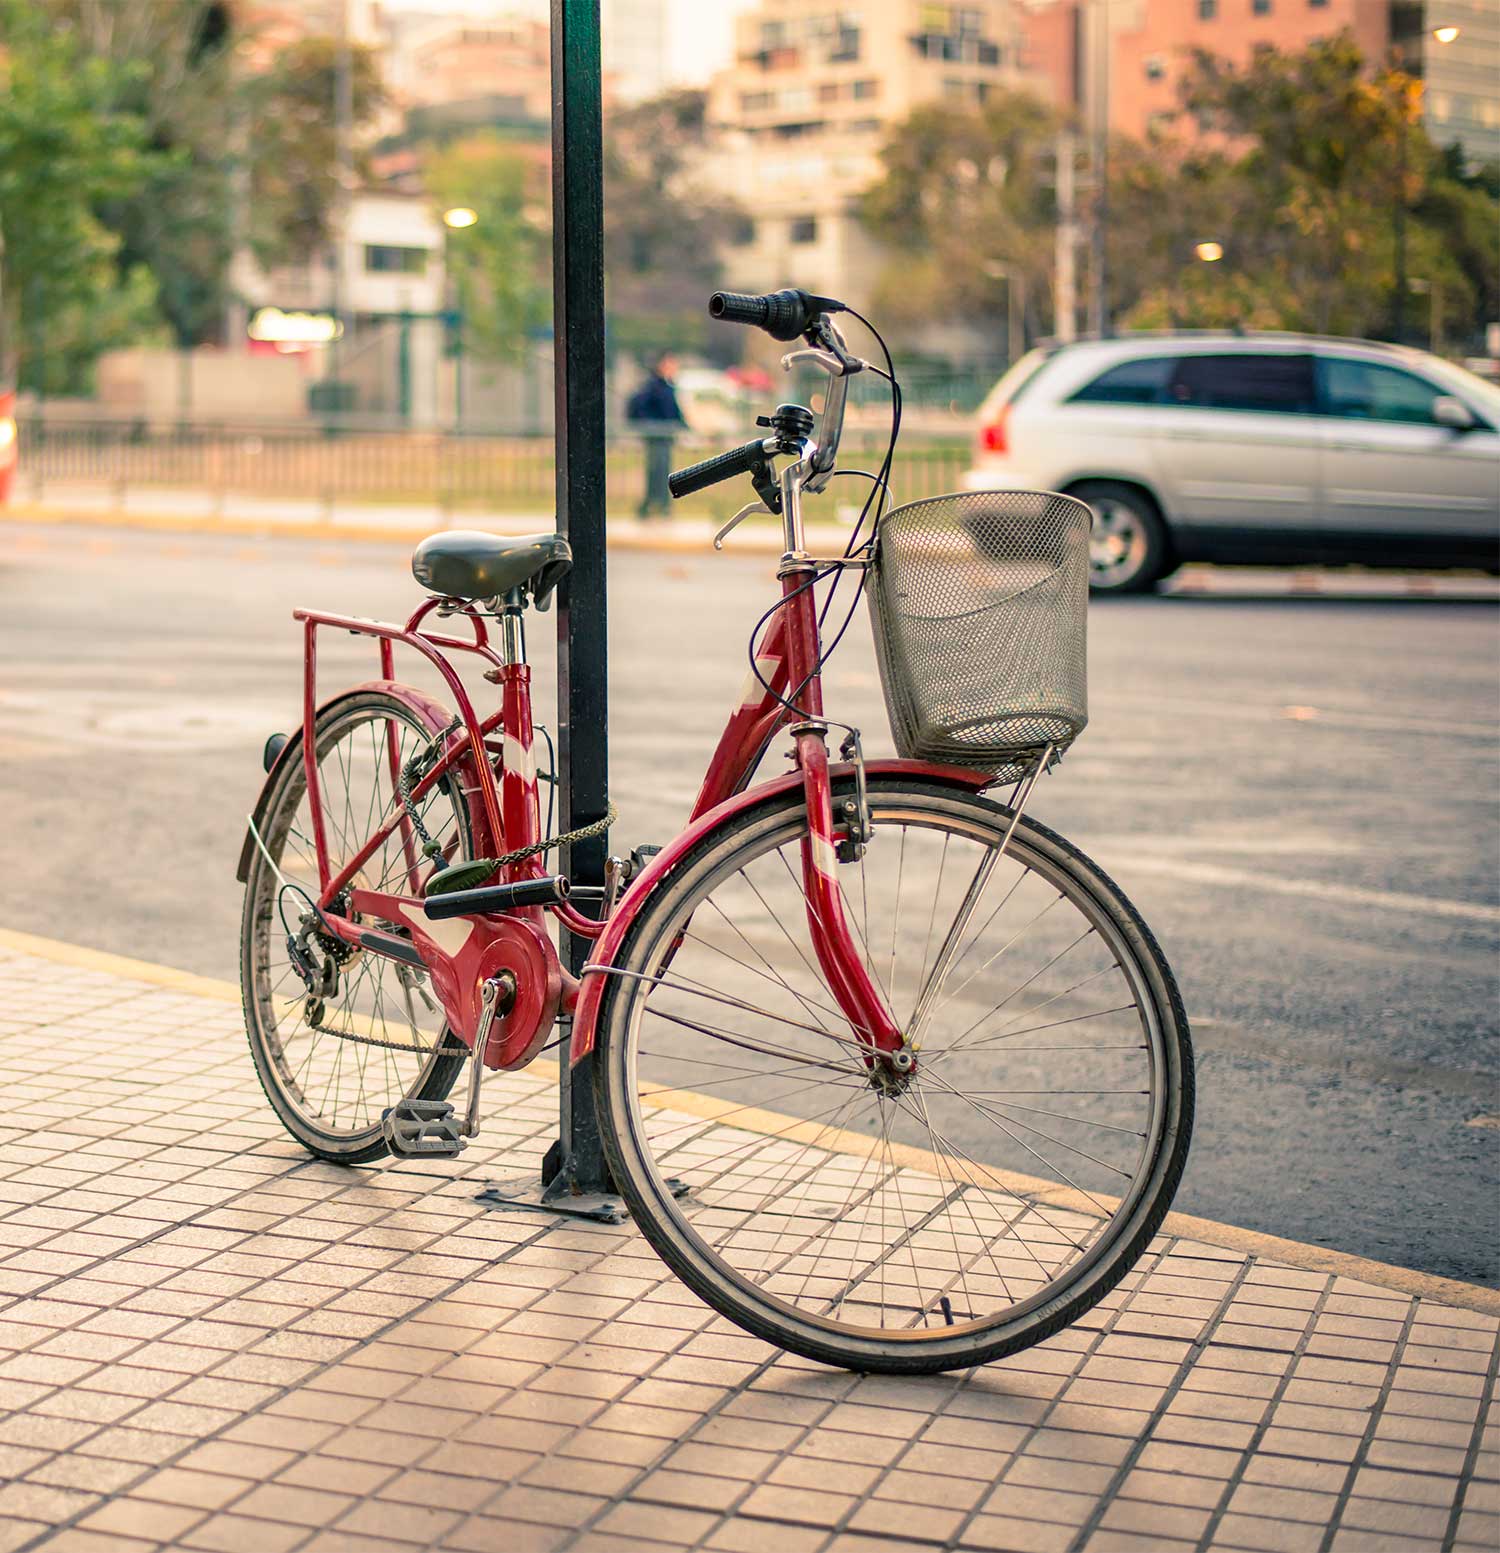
821, 358
749, 510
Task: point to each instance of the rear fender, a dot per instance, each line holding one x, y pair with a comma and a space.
433, 716
585, 1016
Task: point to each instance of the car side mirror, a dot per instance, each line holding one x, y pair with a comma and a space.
1452, 412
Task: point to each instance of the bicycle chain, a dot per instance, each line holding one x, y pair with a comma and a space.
417, 767
369, 1040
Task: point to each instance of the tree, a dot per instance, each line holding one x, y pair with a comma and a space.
1311, 157
65, 149
243, 145
500, 264
967, 206
293, 149
663, 230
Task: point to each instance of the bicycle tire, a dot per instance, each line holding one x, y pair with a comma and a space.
669, 1225
261, 927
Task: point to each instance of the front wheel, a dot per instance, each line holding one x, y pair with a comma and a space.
880, 1224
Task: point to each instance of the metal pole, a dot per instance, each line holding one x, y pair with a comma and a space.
576, 1164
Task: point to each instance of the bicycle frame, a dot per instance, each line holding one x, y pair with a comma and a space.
784, 690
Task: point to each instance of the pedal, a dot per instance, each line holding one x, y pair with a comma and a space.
639, 857
422, 1129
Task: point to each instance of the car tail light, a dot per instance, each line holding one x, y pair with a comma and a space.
995, 437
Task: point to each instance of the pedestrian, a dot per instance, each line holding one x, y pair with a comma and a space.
654, 411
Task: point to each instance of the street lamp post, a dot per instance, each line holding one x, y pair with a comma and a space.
458, 218
1443, 34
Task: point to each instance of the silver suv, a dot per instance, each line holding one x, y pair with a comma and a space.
1252, 448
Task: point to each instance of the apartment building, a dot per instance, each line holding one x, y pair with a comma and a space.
1455, 46
799, 117
1127, 58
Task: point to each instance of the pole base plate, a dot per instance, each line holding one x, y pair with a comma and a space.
525, 1194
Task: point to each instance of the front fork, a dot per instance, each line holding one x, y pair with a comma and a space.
870, 1016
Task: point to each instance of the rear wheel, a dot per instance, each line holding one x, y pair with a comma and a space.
866, 1221
1128, 547
380, 1033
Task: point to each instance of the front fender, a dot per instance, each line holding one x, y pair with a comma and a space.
585, 1016
432, 715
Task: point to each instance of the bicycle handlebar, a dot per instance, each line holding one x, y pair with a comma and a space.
784, 315
723, 466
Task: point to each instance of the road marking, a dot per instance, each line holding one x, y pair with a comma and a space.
1294, 1253
1329, 717
1310, 889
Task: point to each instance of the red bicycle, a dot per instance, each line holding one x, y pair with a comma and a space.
921, 1068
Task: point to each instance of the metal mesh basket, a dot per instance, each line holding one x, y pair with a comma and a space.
979, 606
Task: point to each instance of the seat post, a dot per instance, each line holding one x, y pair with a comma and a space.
513, 637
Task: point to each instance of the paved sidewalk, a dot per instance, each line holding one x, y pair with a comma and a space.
209, 1341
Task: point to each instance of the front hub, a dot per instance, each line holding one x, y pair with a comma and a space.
891, 1073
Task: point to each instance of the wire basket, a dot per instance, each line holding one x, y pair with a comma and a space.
979, 604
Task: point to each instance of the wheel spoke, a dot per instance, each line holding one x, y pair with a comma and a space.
833, 1195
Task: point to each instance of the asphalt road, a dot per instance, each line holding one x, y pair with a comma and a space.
1298, 793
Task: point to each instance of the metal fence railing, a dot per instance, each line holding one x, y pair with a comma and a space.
451, 471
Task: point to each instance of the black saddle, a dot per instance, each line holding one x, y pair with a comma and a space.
464, 564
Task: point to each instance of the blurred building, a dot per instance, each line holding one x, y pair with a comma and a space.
450, 73
267, 26
634, 42
798, 120
1125, 59
385, 282
1454, 45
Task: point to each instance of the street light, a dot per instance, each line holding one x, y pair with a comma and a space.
1445, 34
456, 219
1210, 253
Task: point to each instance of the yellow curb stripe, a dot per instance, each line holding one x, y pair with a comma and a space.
1250, 1243
119, 965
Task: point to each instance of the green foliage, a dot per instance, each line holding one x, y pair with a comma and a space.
500, 265
291, 147
1299, 174
967, 202
64, 150
1315, 161
136, 145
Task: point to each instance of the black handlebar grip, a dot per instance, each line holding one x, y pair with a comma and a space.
738, 307
738, 461
782, 314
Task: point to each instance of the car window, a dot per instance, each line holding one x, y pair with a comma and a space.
1366, 391
1249, 381
1132, 382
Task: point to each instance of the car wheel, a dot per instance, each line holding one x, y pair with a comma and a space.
1128, 551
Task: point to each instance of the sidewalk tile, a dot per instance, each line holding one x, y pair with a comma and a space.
742, 1535
1265, 1535
1016, 1536
226, 1347
663, 1523
929, 1523
800, 1505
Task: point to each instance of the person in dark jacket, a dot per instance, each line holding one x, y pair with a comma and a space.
654, 411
